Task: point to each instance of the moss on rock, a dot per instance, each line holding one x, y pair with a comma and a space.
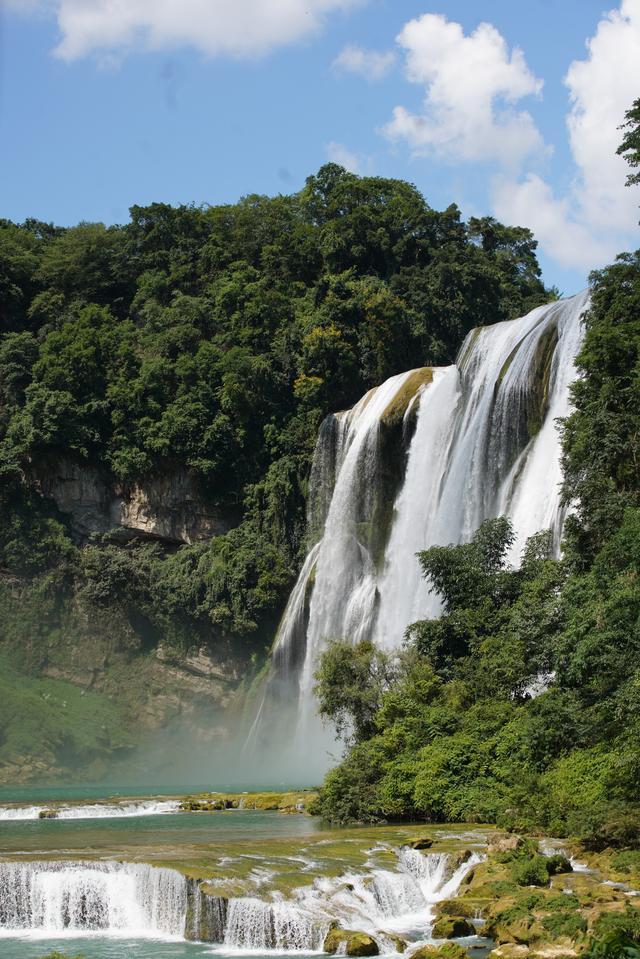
452, 927
355, 943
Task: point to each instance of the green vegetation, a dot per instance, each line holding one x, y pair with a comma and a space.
203, 346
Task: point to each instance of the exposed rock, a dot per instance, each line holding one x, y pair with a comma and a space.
48, 814
452, 927
168, 507
503, 842
354, 943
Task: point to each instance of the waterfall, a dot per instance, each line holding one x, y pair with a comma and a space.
353, 482
483, 441
76, 898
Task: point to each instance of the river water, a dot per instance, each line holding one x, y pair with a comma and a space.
114, 888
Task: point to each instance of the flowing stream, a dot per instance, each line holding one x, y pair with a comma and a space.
476, 440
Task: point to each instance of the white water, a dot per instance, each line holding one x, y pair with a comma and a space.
52, 899
486, 443
471, 459
119, 810
377, 902
126, 900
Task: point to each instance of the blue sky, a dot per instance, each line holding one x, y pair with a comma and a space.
504, 108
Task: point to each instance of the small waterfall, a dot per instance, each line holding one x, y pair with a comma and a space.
115, 810
485, 443
76, 898
256, 924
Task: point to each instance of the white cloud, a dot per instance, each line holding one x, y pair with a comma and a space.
598, 218
338, 153
472, 84
239, 28
368, 63
570, 242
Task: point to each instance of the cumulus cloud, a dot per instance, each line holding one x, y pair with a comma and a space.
598, 217
472, 85
338, 153
570, 242
239, 28
370, 64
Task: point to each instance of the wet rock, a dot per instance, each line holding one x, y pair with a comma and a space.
422, 843
354, 943
452, 927
48, 814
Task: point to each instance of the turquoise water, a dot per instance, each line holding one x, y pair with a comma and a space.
59, 793
177, 829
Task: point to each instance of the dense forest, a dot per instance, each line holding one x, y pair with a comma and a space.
200, 348
453, 729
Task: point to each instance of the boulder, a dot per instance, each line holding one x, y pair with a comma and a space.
456, 907
355, 943
504, 842
48, 814
422, 843
452, 927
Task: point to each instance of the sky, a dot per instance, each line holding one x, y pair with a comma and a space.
507, 109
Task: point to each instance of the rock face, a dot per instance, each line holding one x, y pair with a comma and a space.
167, 507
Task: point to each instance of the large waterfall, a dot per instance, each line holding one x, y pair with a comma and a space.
422, 460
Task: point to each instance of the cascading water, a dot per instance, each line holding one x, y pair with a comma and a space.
485, 444
130, 900
115, 810
123, 899
383, 900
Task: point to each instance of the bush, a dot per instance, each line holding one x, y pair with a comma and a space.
531, 872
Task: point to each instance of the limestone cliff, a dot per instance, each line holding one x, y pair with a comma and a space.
168, 507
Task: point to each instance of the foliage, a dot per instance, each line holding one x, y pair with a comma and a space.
630, 146
350, 684
210, 342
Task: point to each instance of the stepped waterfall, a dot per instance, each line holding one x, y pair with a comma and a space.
130, 900
421, 460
